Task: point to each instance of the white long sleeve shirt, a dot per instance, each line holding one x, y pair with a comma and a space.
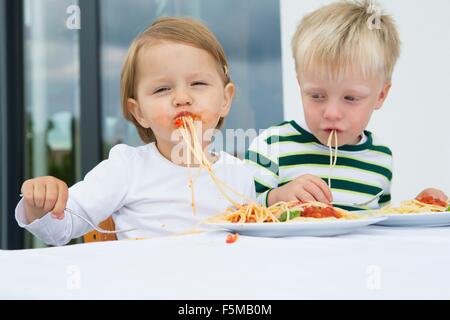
142, 189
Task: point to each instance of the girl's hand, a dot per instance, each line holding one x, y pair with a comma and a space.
304, 188
42, 195
436, 194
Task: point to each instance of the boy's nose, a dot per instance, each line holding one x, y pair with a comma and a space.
182, 98
332, 112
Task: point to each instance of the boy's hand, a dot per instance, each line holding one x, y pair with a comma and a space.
42, 195
434, 193
304, 188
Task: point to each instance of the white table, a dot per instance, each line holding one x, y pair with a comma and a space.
374, 263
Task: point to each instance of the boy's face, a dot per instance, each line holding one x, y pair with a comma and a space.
342, 105
174, 78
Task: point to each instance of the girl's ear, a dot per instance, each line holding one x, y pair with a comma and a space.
135, 110
383, 95
229, 94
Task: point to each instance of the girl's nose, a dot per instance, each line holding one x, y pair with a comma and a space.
182, 98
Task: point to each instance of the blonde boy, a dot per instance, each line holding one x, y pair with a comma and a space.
344, 53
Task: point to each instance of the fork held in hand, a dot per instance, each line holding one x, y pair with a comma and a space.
375, 197
98, 229
89, 222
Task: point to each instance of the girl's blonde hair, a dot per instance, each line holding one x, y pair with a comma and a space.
182, 30
346, 36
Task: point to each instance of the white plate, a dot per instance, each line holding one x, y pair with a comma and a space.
424, 219
301, 228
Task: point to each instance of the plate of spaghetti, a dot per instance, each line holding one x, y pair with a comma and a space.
425, 211
294, 218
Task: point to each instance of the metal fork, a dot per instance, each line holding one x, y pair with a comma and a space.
361, 204
89, 222
98, 229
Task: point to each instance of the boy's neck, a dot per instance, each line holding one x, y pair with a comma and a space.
359, 140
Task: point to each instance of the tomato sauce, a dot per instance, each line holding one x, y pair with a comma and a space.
232, 237
316, 212
178, 122
432, 201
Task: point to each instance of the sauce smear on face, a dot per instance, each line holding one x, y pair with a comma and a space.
178, 122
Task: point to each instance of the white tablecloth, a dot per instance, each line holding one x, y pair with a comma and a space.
374, 263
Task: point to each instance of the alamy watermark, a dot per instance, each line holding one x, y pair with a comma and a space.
373, 281
231, 139
374, 21
73, 281
73, 21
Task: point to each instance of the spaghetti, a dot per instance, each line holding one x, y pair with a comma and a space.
284, 212
185, 124
333, 155
420, 205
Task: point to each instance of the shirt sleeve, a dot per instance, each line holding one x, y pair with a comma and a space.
385, 198
263, 158
102, 192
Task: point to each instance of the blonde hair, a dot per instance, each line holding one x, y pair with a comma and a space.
181, 30
346, 36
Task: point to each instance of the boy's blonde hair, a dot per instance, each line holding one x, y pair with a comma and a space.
346, 36
181, 30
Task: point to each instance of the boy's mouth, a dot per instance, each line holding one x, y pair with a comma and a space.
329, 130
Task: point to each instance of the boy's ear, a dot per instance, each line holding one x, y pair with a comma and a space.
135, 110
382, 96
229, 94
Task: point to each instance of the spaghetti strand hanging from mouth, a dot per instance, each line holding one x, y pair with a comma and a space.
195, 148
333, 155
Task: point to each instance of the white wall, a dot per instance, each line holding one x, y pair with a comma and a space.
415, 119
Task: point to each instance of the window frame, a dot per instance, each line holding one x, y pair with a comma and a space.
12, 126
90, 95
11, 120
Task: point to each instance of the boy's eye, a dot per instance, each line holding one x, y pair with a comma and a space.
350, 98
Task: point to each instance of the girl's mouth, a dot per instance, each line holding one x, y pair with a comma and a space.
178, 120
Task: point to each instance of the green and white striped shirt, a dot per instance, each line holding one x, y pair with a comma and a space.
284, 152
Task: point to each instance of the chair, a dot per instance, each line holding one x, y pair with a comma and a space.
95, 236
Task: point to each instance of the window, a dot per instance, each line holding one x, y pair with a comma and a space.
51, 92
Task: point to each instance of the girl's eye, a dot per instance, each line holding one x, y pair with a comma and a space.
199, 83
162, 89
318, 96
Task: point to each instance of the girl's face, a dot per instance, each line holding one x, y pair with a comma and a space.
175, 78
345, 106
